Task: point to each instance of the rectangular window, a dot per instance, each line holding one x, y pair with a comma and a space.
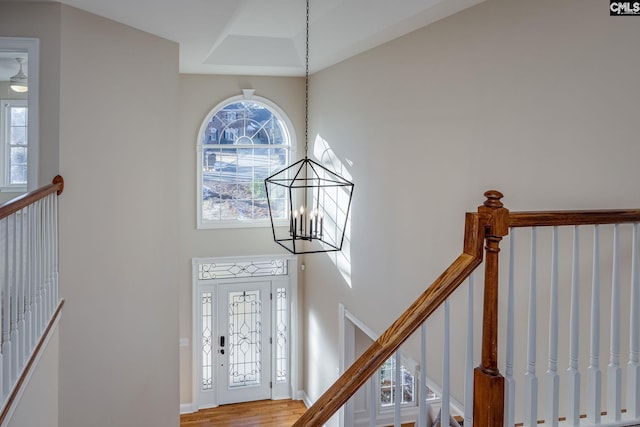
389, 391
13, 144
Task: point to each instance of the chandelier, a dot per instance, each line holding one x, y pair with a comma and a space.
318, 221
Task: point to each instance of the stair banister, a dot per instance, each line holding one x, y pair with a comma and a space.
28, 283
20, 202
491, 219
489, 225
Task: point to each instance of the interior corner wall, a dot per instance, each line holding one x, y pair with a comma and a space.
118, 225
41, 20
536, 99
199, 94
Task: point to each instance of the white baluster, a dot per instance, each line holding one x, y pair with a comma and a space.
594, 374
553, 380
34, 274
13, 306
45, 260
20, 283
614, 372
422, 419
51, 257
39, 270
55, 250
468, 377
633, 367
4, 284
510, 384
530, 378
446, 391
573, 374
373, 400
397, 390
29, 335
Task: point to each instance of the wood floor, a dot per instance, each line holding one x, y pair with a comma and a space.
264, 413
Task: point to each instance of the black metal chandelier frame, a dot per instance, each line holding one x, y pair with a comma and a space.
307, 224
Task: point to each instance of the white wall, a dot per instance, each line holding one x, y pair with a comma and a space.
42, 20
536, 99
118, 225
199, 94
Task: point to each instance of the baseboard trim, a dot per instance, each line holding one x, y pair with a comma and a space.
305, 399
187, 408
190, 408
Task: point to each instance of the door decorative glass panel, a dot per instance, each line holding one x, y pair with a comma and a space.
207, 356
245, 338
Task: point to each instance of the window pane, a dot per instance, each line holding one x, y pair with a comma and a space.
18, 136
18, 165
18, 174
19, 116
18, 156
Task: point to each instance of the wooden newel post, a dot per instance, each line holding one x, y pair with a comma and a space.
488, 400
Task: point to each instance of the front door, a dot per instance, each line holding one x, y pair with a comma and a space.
244, 335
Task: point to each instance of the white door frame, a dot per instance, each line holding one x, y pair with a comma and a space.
207, 399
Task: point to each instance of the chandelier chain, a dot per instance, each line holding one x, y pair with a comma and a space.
306, 89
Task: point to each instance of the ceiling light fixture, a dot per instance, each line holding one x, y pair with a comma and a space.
19, 82
324, 195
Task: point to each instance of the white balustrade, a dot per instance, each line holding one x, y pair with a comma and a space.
28, 285
582, 406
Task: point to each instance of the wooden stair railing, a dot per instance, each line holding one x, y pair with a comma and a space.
485, 227
11, 382
20, 202
488, 223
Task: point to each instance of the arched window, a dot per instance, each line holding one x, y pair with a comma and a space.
242, 141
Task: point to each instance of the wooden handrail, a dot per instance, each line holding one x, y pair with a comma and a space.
21, 202
560, 218
384, 347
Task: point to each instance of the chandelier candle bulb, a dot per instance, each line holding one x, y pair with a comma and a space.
301, 220
321, 221
295, 222
291, 223
315, 229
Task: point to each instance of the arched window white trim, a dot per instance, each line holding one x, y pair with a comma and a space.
236, 151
